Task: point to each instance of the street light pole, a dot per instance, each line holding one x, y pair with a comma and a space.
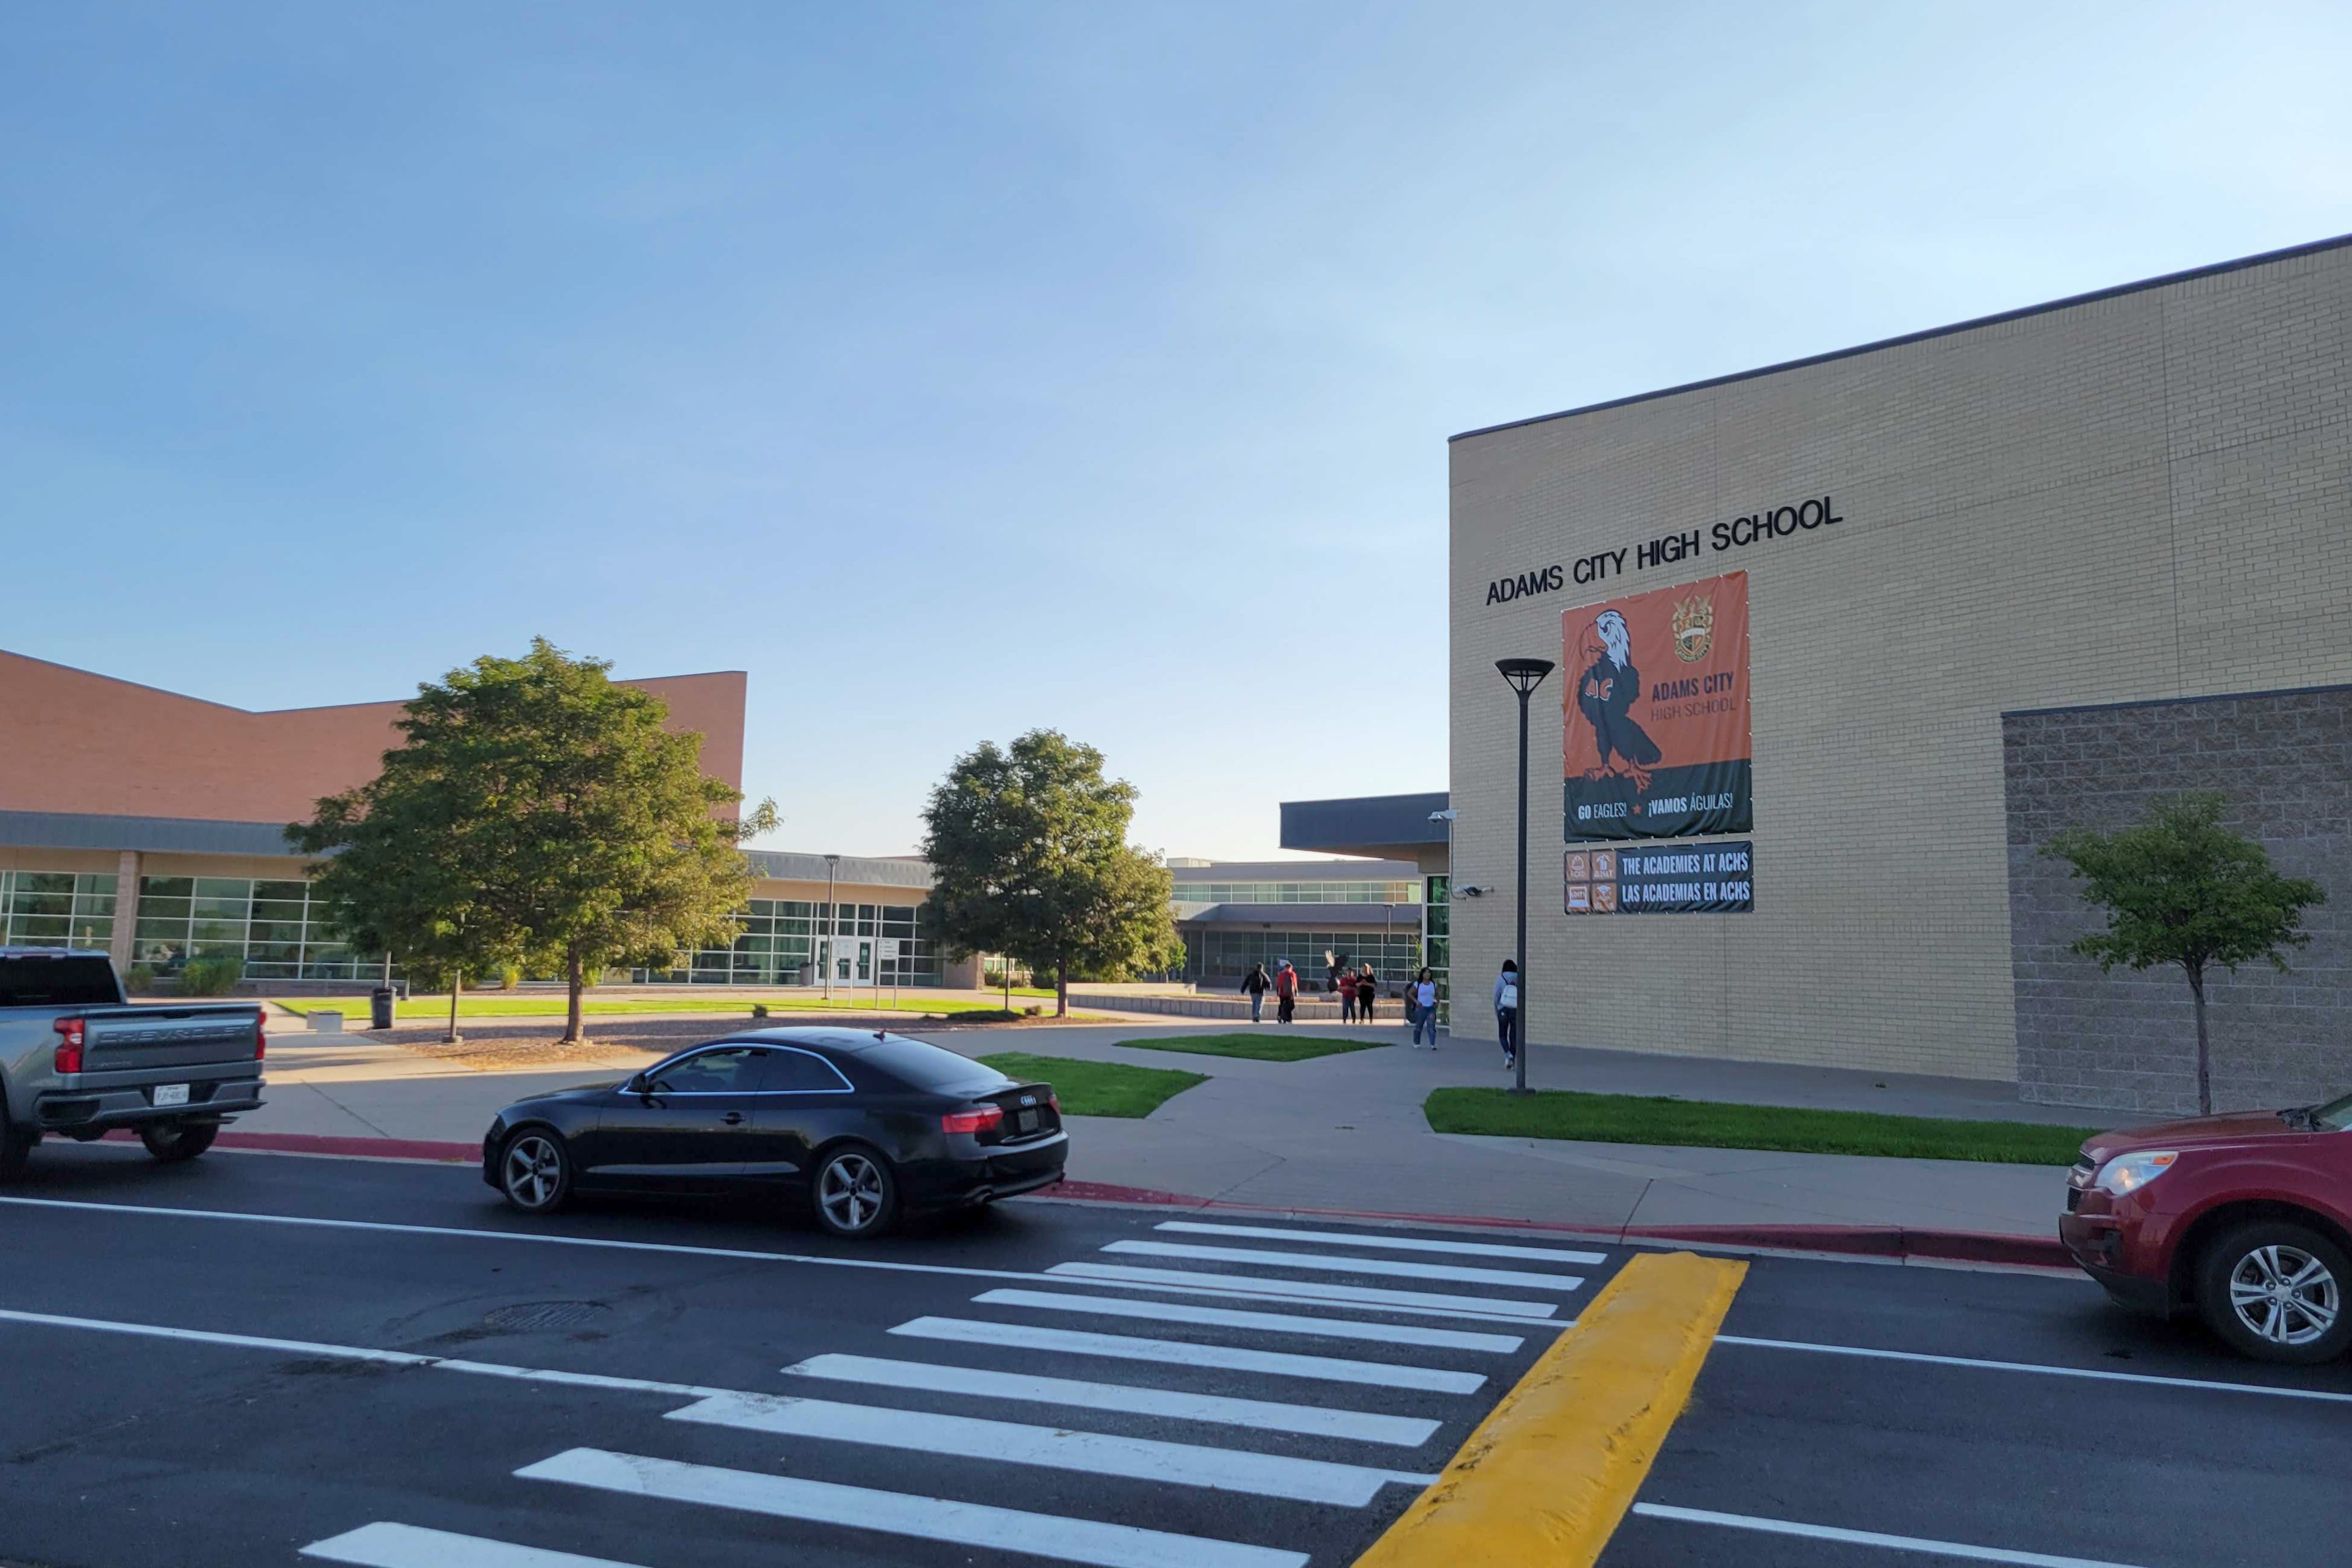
1525, 675
832, 923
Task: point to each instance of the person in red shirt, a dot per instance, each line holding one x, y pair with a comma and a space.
1347, 995
1285, 992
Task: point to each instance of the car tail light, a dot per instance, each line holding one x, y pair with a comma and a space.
979, 1118
69, 1043
1054, 1100
260, 1035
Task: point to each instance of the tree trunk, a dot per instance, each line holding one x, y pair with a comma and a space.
1062, 989
2204, 1045
456, 984
576, 976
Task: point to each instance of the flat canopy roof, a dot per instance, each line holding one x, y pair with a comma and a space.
1359, 917
1386, 826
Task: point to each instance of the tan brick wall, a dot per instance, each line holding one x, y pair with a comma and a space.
78, 743
2144, 496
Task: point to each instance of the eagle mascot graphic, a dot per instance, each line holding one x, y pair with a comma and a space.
1605, 694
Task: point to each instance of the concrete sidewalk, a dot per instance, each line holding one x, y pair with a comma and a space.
1342, 1133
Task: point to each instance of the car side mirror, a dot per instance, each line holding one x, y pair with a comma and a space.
637, 1085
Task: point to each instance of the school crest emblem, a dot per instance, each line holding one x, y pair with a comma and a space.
1694, 625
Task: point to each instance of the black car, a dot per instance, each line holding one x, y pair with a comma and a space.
861, 1126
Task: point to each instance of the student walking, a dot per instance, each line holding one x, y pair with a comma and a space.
1506, 1011
1347, 986
1421, 1000
1285, 992
1253, 985
1368, 986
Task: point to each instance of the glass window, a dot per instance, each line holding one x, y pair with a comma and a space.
733, 1071
166, 888
931, 1069
801, 1072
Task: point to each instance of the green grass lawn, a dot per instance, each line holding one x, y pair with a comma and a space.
1098, 1088
493, 1006
1710, 1124
1296, 1047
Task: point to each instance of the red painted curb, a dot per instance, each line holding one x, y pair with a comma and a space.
1852, 1240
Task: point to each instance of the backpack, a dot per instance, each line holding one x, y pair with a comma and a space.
1287, 983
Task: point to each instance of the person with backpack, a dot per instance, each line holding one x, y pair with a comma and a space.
1421, 1000
1347, 988
1368, 986
1253, 985
1286, 992
1506, 1011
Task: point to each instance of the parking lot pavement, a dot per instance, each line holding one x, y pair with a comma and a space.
256, 1357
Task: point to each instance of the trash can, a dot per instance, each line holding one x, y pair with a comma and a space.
379, 1007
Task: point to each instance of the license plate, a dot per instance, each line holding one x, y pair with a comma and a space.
171, 1094
1026, 1121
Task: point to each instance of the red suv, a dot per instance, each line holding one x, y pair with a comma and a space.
2247, 1218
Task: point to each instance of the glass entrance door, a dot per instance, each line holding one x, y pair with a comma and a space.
848, 959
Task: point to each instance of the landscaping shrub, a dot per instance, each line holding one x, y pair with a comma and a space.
211, 976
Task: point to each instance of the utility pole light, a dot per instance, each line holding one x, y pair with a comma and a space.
833, 922
1524, 675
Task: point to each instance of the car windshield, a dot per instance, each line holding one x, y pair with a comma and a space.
2335, 1116
920, 1066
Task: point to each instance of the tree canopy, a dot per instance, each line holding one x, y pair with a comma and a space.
1029, 857
536, 813
2181, 888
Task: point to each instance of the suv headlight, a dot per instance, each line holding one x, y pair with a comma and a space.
2129, 1173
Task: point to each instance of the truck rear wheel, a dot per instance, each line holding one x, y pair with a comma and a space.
172, 1141
15, 1150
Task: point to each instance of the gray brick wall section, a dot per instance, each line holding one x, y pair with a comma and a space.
2126, 1041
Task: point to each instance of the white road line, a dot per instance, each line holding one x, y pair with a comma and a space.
1370, 1298
2209, 1386
1259, 1414
1268, 1323
1054, 1448
1334, 1263
965, 1524
1177, 1352
1393, 1243
407, 1546
1872, 1537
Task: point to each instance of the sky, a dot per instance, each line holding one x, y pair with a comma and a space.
961, 369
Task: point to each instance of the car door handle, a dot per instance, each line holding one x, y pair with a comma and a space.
732, 1117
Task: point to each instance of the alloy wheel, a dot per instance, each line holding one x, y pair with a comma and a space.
2285, 1296
851, 1192
534, 1170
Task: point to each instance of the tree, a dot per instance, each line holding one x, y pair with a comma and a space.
2182, 888
537, 813
1029, 857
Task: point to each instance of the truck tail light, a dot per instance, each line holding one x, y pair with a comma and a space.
979, 1118
70, 1034
260, 1035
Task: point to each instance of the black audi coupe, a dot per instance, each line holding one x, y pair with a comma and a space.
861, 1126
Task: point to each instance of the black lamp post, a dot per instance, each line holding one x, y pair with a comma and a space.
1525, 675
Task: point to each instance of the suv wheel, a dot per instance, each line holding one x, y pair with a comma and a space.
535, 1171
172, 1141
2274, 1290
856, 1193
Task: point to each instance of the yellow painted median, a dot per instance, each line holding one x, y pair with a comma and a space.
1547, 1475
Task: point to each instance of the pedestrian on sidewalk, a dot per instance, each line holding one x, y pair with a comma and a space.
1286, 992
1368, 986
1506, 1011
1347, 986
1253, 985
1421, 1000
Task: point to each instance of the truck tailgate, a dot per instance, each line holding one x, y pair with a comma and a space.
124, 1039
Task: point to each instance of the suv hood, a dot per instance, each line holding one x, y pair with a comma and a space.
2195, 1133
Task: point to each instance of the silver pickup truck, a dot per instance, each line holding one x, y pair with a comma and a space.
77, 1061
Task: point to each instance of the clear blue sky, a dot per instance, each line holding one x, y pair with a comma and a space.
959, 368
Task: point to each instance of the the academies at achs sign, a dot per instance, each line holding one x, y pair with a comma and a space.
1657, 719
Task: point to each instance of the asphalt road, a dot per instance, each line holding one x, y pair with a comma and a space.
621, 1389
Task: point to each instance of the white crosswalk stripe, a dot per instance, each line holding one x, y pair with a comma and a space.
1389, 1243
1266, 1323
1055, 1448
1181, 1352
1329, 1263
1053, 1536
1264, 1414
1314, 1291
388, 1545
